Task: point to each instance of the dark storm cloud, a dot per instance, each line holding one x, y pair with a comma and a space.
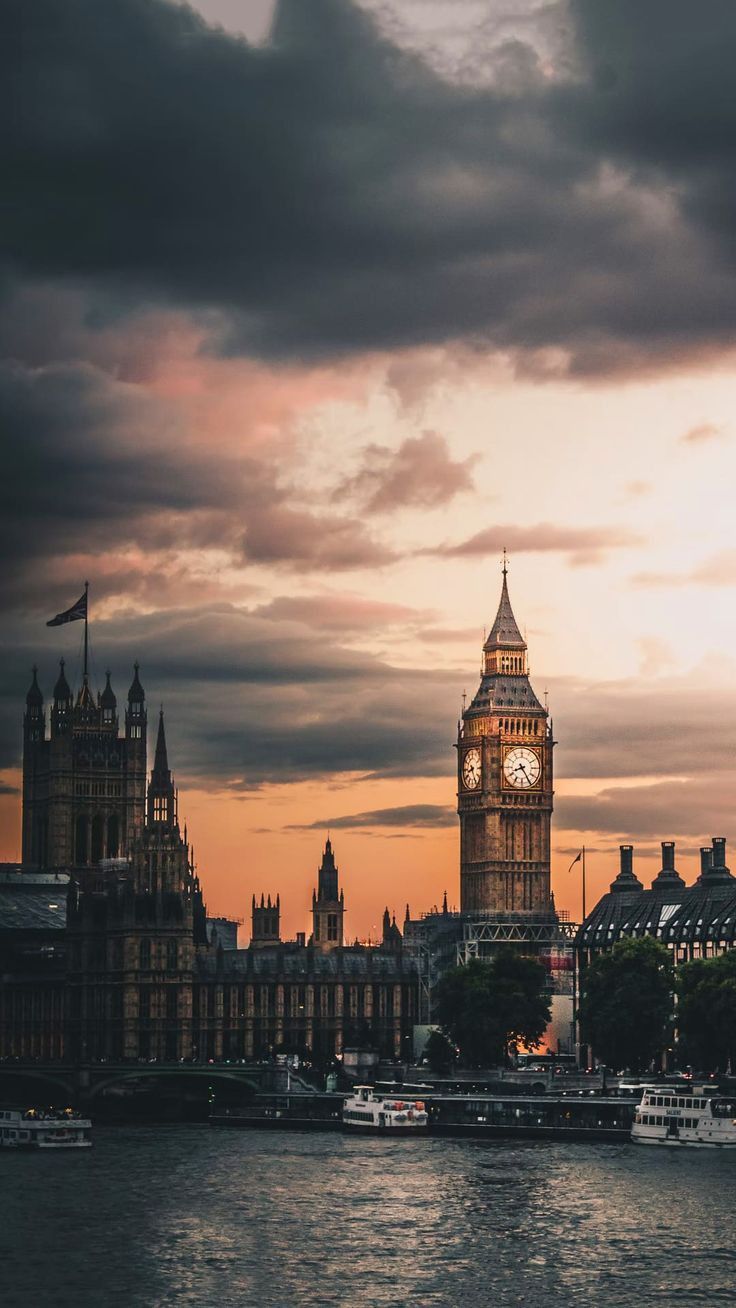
248, 700
86, 468
330, 193
93, 467
406, 815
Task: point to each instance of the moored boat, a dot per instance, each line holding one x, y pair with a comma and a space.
367, 1109
38, 1128
701, 1119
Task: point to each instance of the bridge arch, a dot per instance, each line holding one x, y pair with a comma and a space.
157, 1072
45, 1085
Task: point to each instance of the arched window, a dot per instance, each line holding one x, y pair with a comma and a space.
98, 829
80, 840
113, 836
172, 955
144, 955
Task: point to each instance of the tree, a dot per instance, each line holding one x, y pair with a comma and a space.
626, 1003
439, 1052
484, 1006
706, 1012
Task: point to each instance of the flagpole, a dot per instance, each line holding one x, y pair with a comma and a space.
583, 882
86, 627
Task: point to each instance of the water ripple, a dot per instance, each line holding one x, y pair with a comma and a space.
189, 1217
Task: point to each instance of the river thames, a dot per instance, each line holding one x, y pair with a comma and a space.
190, 1216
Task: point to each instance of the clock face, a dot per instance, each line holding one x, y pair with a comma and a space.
471, 769
521, 767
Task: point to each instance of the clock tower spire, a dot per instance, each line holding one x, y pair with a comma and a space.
505, 792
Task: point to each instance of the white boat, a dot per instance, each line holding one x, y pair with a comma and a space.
369, 1110
699, 1119
38, 1128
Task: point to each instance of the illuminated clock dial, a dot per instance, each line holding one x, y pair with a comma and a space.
521, 767
471, 769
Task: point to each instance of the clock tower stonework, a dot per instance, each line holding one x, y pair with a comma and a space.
505, 789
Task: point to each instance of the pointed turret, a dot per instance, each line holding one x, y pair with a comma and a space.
135, 713
34, 698
61, 710
392, 938
327, 874
62, 689
505, 630
161, 795
34, 722
161, 760
108, 704
328, 904
107, 698
136, 694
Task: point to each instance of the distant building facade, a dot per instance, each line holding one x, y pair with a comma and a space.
696, 921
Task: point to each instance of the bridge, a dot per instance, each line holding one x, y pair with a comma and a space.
83, 1083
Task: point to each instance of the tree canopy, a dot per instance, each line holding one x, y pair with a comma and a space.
485, 1006
706, 1013
439, 1052
626, 1003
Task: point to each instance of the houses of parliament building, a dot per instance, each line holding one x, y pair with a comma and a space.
106, 951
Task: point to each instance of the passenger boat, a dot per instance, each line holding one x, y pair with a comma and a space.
369, 1110
38, 1128
701, 1119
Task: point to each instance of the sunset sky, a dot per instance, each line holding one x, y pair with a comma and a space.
307, 312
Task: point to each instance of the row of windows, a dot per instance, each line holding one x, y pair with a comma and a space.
521, 726
668, 1101
358, 1001
112, 789
651, 1119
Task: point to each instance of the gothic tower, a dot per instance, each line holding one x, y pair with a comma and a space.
83, 783
328, 905
505, 792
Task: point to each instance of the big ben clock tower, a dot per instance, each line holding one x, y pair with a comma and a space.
505, 792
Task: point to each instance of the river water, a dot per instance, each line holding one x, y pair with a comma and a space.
197, 1217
